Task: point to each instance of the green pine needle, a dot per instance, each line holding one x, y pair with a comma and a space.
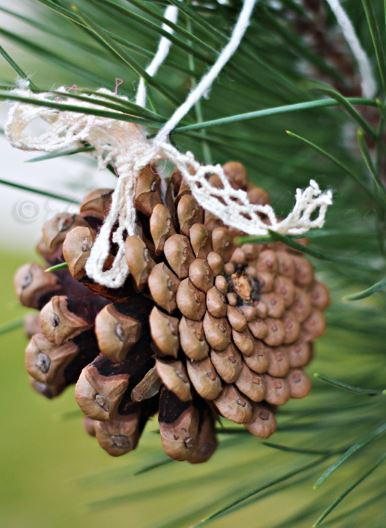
350, 108
357, 446
16, 67
75, 108
41, 192
70, 415
237, 503
334, 160
60, 154
346, 492
375, 288
57, 267
364, 149
150, 467
299, 247
302, 451
266, 112
345, 386
377, 39
10, 326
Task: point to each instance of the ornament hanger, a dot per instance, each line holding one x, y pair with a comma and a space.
126, 146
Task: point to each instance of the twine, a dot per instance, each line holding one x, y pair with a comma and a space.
170, 14
368, 83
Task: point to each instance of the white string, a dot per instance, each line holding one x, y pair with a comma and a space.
368, 83
171, 14
207, 80
125, 146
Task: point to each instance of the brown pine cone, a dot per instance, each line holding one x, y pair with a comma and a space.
201, 328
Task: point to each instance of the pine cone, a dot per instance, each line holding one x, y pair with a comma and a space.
201, 328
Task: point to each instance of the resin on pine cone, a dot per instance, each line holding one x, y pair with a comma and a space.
202, 328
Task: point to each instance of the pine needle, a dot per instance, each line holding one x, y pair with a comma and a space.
357, 446
296, 107
334, 160
375, 288
57, 267
237, 503
75, 108
346, 104
345, 386
149, 467
302, 451
16, 67
41, 192
10, 326
378, 41
346, 492
60, 154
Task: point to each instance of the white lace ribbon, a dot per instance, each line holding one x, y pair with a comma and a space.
125, 146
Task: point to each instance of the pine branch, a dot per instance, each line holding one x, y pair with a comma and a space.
274, 73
